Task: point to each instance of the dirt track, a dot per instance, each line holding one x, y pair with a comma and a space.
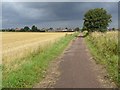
75, 68
78, 70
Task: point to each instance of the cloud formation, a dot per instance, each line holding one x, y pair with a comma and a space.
60, 0
52, 14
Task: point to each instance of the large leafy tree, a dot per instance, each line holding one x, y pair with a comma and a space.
96, 20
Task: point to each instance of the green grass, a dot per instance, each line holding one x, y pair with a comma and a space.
34, 68
104, 49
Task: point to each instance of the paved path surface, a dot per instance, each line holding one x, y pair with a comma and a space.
77, 70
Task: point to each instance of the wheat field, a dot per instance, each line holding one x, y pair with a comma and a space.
17, 45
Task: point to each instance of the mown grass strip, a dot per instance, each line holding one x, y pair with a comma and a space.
33, 69
103, 56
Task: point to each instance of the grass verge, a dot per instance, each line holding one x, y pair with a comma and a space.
34, 68
104, 51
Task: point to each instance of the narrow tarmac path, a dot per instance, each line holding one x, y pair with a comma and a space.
77, 69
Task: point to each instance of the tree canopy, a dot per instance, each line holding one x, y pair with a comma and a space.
26, 28
96, 20
77, 29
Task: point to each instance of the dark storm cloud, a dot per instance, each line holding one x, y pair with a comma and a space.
51, 14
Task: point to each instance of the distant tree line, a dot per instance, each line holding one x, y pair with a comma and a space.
35, 29
25, 29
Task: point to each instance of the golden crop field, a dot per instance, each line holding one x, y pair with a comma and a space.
17, 45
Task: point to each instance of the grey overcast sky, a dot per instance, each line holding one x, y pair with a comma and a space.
52, 14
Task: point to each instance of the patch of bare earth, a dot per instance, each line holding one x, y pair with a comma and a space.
51, 76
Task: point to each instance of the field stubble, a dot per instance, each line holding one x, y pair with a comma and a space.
25, 72
18, 45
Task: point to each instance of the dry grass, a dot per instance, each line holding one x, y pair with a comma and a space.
104, 47
17, 45
26, 72
0, 48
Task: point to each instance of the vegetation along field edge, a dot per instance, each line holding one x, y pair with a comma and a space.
107, 58
35, 66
